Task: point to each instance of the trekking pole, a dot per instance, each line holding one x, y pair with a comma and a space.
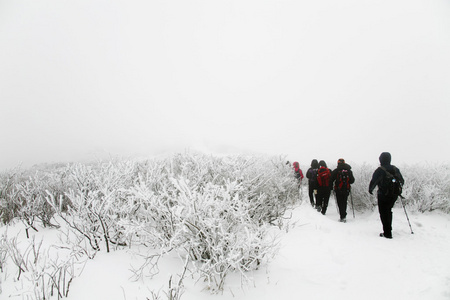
407, 218
351, 199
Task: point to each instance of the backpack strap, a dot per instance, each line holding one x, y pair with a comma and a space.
388, 174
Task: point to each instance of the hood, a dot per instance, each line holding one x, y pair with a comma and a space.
385, 159
322, 163
314, 164
343, 166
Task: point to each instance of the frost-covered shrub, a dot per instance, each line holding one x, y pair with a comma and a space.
209, 224
362, 200
40, 272
97, 202
215, 211
8, 193
427, 188
221, 235
22, 195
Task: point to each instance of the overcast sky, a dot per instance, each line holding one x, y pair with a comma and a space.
84, 79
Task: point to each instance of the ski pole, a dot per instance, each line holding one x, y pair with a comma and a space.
401, 200
351, 199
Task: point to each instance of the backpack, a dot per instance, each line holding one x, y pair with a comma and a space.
323, 176
311, 174
391, 185
343, 180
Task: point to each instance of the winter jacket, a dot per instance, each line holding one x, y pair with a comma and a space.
379, 174
298, 171
311, 174
334, 175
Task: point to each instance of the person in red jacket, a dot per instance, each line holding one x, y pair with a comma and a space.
298, 172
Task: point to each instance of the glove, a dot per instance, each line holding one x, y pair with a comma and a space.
371, 192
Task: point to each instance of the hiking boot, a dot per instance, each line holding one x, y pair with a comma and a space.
344, 220
319, 209
386, 236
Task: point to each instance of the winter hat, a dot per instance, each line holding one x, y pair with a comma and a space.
385, 158
341, 161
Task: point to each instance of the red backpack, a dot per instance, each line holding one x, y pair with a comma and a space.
323, 176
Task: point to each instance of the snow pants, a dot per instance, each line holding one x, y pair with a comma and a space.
385, 205
323, 197
341, 198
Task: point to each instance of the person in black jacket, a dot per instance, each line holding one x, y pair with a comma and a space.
342, 177
324, 187
311, 174
385, 200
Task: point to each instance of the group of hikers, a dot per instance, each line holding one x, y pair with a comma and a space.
322, 180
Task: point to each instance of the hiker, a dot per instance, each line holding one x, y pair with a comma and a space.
386, 197
311, 174
324, 187
342, 177
298, 172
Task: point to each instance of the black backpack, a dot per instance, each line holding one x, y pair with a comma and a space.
313, 178
343, 180
391, 185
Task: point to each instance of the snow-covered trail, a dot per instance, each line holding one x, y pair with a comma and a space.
319, 258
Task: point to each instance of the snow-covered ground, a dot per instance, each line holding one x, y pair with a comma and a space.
319, 258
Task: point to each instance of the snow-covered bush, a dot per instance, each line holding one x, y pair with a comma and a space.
9, 207
427, 188
362, 200
212, 226
41, 273
214, 211
22, 195
96, 202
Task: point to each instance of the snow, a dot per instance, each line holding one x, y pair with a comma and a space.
318, 258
